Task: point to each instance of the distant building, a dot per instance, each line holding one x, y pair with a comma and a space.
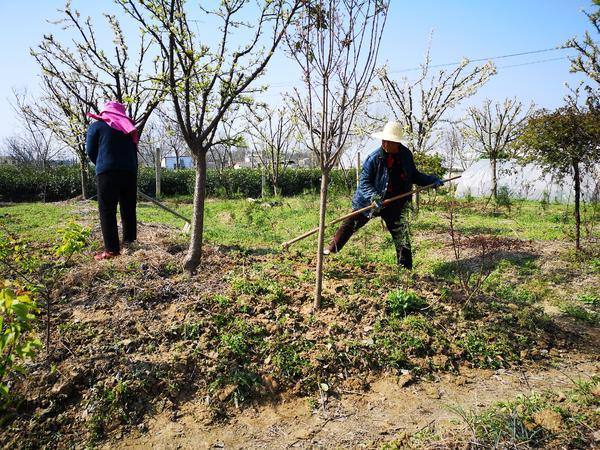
170, 162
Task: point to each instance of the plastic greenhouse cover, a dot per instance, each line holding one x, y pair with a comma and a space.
526, 182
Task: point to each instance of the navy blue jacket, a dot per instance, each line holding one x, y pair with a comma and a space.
374, 178
110, 149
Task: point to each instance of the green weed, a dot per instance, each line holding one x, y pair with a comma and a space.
589, 299
486, 350
580, 314
401, 303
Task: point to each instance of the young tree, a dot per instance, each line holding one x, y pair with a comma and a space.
494, 128
565, 142
119, 77
420, 105
272, 134
205, 80
588, 49
64, 115
458, 147
36, 144
336, 44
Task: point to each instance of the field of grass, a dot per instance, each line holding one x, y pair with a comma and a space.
135, 331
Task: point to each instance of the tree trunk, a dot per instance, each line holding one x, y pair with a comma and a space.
194, 255
577, 185
83, 175
321, 239
494, 179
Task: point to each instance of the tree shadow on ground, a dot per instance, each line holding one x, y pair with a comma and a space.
247, 251
519, 258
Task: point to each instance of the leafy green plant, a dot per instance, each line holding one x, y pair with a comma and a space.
545, 201
39, 269
503, 199
580, 314
589, 299
400, 303
74, 238
17, 315
486, 351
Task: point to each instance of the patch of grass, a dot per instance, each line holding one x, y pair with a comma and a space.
190, 330
487, 349
396, 340
580, 314
264, 288
589, 299
287, 358
513, 294
222, 300
537, 421
239, 338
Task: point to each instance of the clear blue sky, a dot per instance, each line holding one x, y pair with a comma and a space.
462, 28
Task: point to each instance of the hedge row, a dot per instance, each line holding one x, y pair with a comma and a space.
29, 184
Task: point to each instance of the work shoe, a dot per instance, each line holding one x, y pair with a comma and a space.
105, 255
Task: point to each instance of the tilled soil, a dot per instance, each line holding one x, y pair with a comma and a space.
145, 356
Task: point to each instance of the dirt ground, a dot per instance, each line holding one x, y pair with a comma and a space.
146, 357
358, 420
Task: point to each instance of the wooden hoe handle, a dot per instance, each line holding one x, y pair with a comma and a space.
285, 245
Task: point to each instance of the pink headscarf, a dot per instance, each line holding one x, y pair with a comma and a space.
115, 116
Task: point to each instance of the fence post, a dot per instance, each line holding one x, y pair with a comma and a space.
157, 169
357, 169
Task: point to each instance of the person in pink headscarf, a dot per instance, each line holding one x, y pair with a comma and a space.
111, 145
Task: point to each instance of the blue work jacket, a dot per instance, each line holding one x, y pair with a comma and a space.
374, 178
110, 149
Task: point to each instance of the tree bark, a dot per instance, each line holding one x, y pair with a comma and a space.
194, 255
321, 239
577, 186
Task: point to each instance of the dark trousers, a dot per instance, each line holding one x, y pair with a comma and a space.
396, 221
117, 187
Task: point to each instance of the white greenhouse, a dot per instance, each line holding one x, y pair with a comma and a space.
526, 182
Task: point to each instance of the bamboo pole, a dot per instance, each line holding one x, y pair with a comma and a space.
157, 166
160, 205
285, 245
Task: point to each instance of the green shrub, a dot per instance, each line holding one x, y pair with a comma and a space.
30, 184
503, 199
545, 201
17, 314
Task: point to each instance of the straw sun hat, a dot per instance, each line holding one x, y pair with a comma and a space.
391, 132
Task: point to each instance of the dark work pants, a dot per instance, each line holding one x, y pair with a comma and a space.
396, 220
117, 187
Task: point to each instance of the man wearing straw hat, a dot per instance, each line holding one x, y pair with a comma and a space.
111, 145
387, 172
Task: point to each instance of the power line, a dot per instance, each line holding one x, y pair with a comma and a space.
528, 63
511, 55
533, 62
